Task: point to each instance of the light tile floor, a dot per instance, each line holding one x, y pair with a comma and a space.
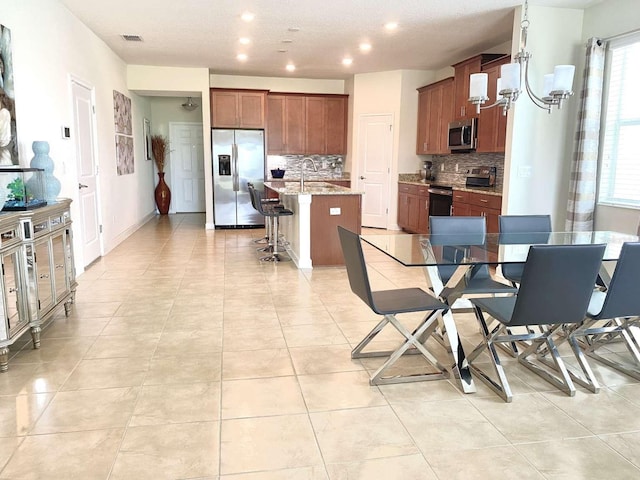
187, 358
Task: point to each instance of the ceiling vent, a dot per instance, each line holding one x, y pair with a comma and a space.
131, 38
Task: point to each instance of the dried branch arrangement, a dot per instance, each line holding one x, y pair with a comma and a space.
159, 146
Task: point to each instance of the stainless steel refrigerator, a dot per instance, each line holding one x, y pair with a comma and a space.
238, 158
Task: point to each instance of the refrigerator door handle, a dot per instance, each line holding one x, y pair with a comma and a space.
234, 161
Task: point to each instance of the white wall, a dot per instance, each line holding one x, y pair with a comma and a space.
535, 139
170, 81
173, 82
408, 160
605, 20
392, 92
169, 109
49, 47
278, 84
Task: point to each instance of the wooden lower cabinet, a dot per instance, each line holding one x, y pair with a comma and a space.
325, 243
413, 208
478, 205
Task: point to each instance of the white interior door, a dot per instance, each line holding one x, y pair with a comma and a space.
187, 167
375, 152
87, 172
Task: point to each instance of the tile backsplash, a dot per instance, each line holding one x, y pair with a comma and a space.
444, 166
329, 166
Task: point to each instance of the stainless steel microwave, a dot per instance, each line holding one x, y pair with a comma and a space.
463, 134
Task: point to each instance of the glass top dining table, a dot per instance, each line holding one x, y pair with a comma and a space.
468, 250
421, 250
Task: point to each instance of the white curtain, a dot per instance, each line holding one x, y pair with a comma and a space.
584, 168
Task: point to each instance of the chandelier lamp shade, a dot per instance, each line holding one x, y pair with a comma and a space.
189, 105
557, 86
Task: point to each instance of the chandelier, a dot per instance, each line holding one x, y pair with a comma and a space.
189, 105
556, 86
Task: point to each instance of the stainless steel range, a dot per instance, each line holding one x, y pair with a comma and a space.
481, 177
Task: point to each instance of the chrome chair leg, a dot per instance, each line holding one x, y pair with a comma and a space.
412, 341
501, 386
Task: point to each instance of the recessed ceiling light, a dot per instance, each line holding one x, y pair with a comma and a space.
282, 50
242, 57
347, 61
365, 47
391, 25
244, 41
293, 29
290, 67
247, 16
287, 40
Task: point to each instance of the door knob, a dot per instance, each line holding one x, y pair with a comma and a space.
362, 178
82, 185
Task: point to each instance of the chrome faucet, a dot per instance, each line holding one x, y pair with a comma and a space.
302, 164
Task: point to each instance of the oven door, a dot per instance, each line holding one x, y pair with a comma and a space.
440, 201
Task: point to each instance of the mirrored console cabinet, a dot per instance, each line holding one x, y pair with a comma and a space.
38, 273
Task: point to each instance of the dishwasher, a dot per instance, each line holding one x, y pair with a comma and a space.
440, 200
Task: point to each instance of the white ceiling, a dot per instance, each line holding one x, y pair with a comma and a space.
204, 33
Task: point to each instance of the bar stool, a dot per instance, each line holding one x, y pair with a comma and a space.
272, 213
267, 234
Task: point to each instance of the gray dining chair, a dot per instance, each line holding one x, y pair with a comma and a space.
518, 224
556, 287
391, 303
613, 315
453, 234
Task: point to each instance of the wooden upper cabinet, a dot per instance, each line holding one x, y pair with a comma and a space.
285, 124
238, 108
316, 125
326, 125
492, 124
462, 108
336, 112
306, 124
435, 110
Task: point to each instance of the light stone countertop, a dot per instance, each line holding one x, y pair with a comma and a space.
312, 188
486, 190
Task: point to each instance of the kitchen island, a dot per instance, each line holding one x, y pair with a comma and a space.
311, 233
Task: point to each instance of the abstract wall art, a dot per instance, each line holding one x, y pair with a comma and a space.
124, 133
8, 130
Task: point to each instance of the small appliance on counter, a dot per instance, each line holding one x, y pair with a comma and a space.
277, 173
481, 177
426, 172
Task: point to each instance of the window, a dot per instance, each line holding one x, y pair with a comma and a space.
620, 148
